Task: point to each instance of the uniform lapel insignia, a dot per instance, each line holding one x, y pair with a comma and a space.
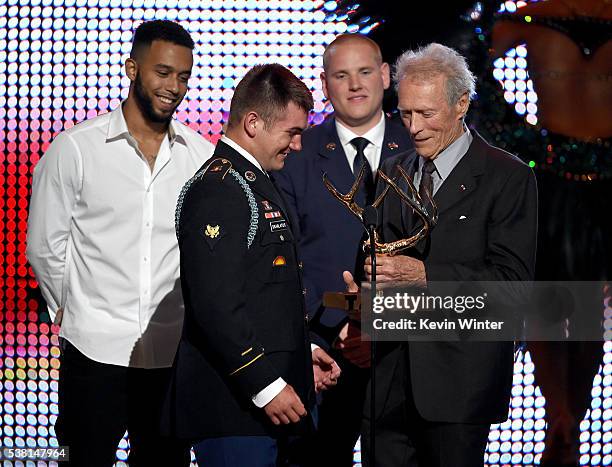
266, 204
279, 261
212, 231
250, 175
212, 234
392, 145
330, 146
462, 187
272, 215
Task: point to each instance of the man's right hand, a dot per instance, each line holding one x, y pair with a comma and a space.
285, 408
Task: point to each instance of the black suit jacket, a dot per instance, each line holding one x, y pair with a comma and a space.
329, 235
486, 231
244, 308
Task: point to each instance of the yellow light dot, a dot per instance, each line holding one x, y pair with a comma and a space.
528, 19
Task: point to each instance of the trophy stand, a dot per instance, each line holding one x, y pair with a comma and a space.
351, 301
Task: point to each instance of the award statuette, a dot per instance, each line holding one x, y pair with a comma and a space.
351, 302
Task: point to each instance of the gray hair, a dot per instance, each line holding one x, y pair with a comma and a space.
437, 59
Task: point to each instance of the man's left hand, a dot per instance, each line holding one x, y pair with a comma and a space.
394, 270
326, 370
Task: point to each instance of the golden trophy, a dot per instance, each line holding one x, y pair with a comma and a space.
351, 301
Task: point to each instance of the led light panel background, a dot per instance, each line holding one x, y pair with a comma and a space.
61, 62
520, 439
511, 72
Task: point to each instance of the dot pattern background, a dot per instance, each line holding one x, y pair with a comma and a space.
513, 75
61, 62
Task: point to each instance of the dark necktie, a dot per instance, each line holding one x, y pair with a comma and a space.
360, 160
426, 185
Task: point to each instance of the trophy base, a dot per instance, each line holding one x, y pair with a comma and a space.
347, 301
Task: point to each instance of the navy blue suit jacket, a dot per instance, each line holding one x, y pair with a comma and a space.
329, 236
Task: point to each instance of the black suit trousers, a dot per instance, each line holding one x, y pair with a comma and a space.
405, 439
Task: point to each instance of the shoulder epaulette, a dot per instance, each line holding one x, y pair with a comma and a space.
218, 167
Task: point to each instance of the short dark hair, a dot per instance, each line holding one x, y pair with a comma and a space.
267, 90
159, 30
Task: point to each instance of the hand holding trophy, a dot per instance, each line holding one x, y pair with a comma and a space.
350, 301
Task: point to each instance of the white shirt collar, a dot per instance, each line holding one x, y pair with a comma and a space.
374, 135
117, 127
243, 152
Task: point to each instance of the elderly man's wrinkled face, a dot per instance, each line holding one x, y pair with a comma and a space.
424, 109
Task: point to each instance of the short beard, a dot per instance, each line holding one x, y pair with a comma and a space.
145, 104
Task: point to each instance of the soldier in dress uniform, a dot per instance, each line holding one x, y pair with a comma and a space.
243, 374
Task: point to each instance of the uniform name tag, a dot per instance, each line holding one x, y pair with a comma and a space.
278, 225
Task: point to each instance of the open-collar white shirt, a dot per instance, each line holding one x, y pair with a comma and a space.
102, 243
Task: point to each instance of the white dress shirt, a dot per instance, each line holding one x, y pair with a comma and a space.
102, 243
374, 135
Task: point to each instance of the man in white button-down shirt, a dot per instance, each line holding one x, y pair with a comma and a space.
102, 244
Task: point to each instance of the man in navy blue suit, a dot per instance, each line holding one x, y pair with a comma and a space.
354, 80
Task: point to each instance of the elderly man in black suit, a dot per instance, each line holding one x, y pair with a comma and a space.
435, 401
243, 374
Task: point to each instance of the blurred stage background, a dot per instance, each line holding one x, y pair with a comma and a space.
61, 62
